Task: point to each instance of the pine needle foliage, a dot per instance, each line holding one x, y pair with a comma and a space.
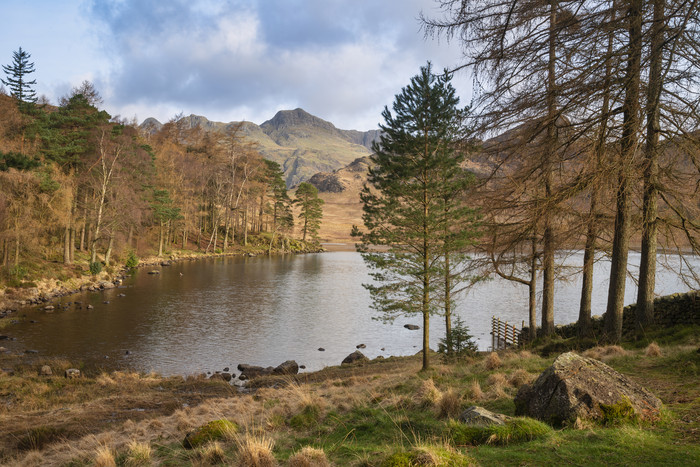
410, 200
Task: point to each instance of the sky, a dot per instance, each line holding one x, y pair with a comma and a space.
230, 60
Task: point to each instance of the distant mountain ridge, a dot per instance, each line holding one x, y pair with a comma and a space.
301, 143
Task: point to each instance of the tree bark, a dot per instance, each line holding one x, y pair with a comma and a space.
630, 126
66, 244
647, 266
110, 244
548, 240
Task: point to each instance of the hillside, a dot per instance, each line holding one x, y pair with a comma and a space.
301, 143
340, 190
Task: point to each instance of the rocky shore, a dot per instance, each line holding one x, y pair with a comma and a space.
45, 290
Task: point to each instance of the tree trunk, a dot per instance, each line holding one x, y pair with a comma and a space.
110, 244
184, 237
584, 314
532, 293
160, 239
130, 236
618, 269
66, 244
72, 245
548, 240
448, 305
226, 228
245, 227
647, 266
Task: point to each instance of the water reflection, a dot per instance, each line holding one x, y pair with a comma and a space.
209, 314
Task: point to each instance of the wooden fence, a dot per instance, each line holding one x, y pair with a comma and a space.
503, 335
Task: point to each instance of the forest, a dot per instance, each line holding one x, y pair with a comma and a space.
83, 189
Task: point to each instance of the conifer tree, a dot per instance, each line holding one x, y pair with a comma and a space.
415, 170
17, 81
311, 210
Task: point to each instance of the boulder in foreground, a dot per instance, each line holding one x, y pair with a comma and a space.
579, 387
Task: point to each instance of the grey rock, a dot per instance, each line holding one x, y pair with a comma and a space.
412, 327
321, 349
479, 416
355, 357
154, 272
72, 373
49, 308
290, 367
45, 371
361, 346
252, 371
575, 387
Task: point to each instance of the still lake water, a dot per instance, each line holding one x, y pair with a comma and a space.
209, 314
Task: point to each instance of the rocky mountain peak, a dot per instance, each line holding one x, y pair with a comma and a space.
295, 118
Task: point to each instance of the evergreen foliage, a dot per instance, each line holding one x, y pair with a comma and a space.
413, 202
17, 80
311, 210
459, 342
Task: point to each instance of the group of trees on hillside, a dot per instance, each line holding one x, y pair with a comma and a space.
588, 112
74, 179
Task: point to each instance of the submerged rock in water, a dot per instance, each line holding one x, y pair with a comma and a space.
579, 387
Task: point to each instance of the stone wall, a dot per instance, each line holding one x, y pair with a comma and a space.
671, 310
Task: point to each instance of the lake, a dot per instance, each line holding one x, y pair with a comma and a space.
209, 314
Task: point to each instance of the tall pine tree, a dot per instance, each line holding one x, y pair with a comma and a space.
17, 81
410, 203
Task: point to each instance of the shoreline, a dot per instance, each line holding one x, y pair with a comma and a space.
47, 290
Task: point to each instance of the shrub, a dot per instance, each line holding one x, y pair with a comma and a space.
95, 268
459, 344
131, 260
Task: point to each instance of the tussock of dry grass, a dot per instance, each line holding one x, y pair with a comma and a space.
428, 394
104, 457
255, 451
605, 352
493, 361
212, 453
520, 377
138, 454
450, 403
497, 383
309, 457
653, 350
475, 391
